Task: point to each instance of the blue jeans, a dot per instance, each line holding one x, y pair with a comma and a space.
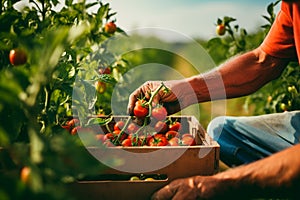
246, 139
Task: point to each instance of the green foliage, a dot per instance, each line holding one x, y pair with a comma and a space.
36, 97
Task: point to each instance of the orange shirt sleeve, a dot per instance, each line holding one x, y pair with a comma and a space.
280, 40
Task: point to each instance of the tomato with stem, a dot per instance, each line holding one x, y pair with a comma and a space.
171, 134
140, 109
158, 140
175, 126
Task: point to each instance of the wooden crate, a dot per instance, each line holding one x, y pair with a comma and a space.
168, 162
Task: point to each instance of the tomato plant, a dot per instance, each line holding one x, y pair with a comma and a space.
52, 47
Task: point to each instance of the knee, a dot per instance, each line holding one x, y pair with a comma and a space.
215, 127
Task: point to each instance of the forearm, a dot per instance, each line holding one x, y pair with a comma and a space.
274, 176
237, 77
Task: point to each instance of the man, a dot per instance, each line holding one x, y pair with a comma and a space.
265, 147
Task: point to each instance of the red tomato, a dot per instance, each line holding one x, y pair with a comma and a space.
159, 112
109, 136
161, 127
103, 70
132, 128
122, 137
174, 141
188, 140
171, 134
144, 139
158, 140
75, 130
110, 27
73, 122
127, 142
119, 125
80, 129
108, 143
17, 57
140, 110
175, 126
100, 137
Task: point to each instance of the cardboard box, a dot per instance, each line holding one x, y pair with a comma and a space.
167, 163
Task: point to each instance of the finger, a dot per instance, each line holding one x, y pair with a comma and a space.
131, 102
163, 194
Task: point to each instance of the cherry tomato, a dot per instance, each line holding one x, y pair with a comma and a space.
175, 126
122, 137
174, 141
110, 27
108, 143
159, 112
73, 122
161, 127
132, 128
75, 130
79, 129
108, 136
144, 139
158, 140
17, 57
149, 179
220, 29
100, 137
100, 87
140, 109
25, 174
104, 70
119, 125
134, 178
171, 134
127, 142
188, 140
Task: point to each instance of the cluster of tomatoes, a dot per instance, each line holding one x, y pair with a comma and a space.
128, 133
160, 133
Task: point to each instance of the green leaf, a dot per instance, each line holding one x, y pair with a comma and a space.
99, 121
107, 78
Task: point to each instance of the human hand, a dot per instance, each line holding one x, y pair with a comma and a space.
196, 187
174, 100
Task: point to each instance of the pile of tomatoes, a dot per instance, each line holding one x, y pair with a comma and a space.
127, 132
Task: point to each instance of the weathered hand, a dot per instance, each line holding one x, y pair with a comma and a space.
196, 187
174, 100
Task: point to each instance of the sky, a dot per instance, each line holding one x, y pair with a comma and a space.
192, 18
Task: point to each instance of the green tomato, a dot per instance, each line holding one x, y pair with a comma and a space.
134, 178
